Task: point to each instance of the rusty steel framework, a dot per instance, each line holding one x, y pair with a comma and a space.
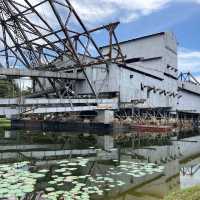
40, 34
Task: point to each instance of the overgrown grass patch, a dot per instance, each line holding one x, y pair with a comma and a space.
192, 193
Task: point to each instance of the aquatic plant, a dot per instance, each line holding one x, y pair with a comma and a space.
17, 181
66, 182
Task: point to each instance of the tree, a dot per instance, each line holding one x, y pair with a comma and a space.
8, 89
27, 91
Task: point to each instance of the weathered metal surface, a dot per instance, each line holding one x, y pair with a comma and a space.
37, 73
189, 102
153, 78
11, 107
189, 94
42, 101
9, 112
189, 86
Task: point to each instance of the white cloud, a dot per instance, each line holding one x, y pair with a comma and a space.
189, 61
124, 10
91, 11
129, 18
102, 11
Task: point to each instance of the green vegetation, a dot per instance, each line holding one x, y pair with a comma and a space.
192, 193
8, 89
27, 91
5, 123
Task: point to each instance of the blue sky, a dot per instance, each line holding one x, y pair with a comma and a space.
142, 17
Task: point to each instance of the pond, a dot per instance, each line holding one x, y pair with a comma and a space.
38, 165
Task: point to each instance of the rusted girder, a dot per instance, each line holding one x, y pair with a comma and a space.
31, 39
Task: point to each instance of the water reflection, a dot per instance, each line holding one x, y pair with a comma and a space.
102, 166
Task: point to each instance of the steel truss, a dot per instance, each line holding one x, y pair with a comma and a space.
40, 35
188, 77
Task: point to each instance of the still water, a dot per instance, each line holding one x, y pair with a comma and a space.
39, 165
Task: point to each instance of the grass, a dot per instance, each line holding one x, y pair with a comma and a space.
192, 193
190, 158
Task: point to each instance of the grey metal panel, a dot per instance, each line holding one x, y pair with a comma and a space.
102, 104
119, 79
189, 102
189, 87
9, 112
43, 101
147, 70
63, 109
130, 89
101, 80
147, 48
163, 46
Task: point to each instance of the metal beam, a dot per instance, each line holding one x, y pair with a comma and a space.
9, 112
42, 101
17, 106
37, 73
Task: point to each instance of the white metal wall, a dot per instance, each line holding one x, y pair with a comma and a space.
190, 97
158, 70
128, 81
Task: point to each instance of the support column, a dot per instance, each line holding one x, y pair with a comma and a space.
105, 116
